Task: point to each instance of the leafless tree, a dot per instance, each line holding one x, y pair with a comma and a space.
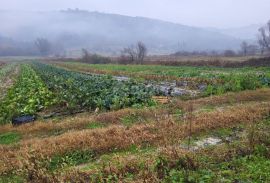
244, 47
43, 45
135, 54
85, 55
264, 38
131, 53
262, 46
141, 52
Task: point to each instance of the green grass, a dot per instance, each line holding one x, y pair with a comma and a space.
95, 125
183, 71
131, 119
248, 169
9, 138
71, 159
112, 158
11, 179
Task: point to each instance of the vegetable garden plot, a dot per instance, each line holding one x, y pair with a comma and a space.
217, 80
77, 91
41, 86
28, 96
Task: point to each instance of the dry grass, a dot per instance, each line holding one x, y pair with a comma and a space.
80, 121
7, 81
199, 58
119, 137
2, 64
229, 98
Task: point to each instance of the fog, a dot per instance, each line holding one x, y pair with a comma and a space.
202, 13
109, 26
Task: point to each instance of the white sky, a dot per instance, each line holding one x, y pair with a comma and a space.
203, 13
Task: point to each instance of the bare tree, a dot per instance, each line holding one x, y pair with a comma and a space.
261, 45
43, 46
141, 52
135, 53
131, 53
244, 47
264, 38
85, 55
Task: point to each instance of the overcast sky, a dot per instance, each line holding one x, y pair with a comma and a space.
203, 13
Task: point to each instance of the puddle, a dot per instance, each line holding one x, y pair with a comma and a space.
208, 142
172, 89
121, 78
204, 143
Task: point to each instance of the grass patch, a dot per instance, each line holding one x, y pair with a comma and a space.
71, 159
95, 125
9, 138
131, 119
207, 108
247, 169
113, 158
11, 179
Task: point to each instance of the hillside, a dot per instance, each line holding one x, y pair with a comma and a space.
100, 32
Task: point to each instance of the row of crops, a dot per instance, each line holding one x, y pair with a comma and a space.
78, 91
237, 82
218, 80
42, 87
181, 72
27, 96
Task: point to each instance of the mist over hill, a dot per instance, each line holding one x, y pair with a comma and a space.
106, 33
248, 32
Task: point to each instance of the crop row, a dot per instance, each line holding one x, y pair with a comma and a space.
77, 91
28, 96
237, 82
218, 80
181, 72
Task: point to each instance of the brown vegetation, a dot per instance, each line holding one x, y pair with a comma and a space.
119, 137
2, 64
8, 80
45, 128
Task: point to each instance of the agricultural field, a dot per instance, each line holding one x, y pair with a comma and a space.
134, 123
212, 80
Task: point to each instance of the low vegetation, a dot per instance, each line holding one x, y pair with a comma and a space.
28, 96
9, 138
79, 91
218, 80
123, 135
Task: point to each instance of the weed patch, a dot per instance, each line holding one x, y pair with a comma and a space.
9, 138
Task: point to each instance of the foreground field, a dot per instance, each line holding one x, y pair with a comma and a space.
220, 138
